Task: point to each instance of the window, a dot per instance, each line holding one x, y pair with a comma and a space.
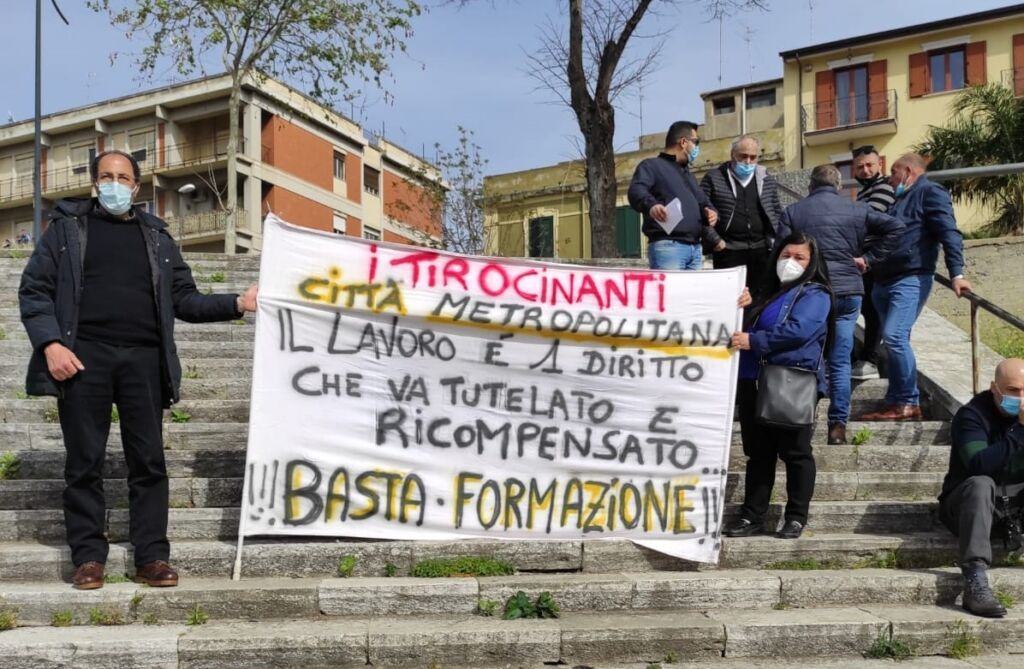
145, 205
340, 223
758, 99
81, 157
947, 69
542, 237
339, 166
724, 105
371, 233
142, 145
852, 95
371, 180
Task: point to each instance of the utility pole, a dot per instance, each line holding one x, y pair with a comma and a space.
37, 167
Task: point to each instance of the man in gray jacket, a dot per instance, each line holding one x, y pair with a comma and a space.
840, 226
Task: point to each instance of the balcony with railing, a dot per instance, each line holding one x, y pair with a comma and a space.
849, 117
172, 159
207, 225
1014, 79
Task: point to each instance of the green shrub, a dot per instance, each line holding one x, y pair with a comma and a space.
487, 607
886, 559
61, 618
3, 334
180, 416
671, 657
861, 436
149, 619
217, 277
461, 566
519, 606
197, 616
963, 642
1006, 599
804, 564
347, 565
116, 578
390, 570
887, 647
115, 415
9, 466
50, 415
191, 372
98, 616
8, 620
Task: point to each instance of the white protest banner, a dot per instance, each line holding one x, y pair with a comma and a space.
407, 393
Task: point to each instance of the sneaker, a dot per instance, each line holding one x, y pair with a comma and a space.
863, 370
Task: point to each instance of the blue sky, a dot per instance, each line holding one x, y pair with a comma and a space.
468, 67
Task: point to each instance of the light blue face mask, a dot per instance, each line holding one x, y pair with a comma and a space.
900, 189
694, 152
115, 197
744, 170
1010, 405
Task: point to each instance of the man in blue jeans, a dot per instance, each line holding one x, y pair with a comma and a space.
904, 280
657, 184
840, 227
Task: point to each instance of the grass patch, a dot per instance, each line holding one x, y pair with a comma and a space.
9, 466
804, 564
654, 665
861, 436
962, 641
671, 657
519, 607
1006, 599
487, 607
116, 578
461, 566
3, 334
888, 647
106, 618
390, 570
197, 616
180, 416
347, 565
886, 559
61, 618
781, 606
8, 620
149, 619
1008, 343
20, 395
239, 321
216, 277
115, 415
191, 372
50, 415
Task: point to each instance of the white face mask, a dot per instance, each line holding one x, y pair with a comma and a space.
789, 270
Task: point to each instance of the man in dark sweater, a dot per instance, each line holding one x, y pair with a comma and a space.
663, 189
98, 298
747, 200
986, 461
876, 192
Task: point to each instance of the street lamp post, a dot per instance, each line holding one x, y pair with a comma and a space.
37, 167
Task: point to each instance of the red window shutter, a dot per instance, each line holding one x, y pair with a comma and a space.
918, 74
1018, 64
825, 100
975, 64
878, 91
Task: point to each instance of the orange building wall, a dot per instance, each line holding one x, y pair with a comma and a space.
298, 152
354, 227
406, 202
353, 177
397, 239
298, 210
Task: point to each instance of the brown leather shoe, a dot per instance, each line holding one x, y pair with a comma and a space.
88, 576
156, 574
837, 434
895, 412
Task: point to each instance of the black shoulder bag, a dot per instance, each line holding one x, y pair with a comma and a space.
787, 396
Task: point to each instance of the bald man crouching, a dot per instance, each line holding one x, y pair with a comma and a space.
986, 462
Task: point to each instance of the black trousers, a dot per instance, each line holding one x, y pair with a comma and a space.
130, 378
756, 262
764, 445
968, 512
872, 323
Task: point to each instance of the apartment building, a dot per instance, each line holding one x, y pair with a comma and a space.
542, 212
303, 161
886, 88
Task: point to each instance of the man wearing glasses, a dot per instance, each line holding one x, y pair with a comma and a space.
98, 298
676, 211
876, 192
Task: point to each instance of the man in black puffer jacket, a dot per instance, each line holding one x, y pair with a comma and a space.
98, 299
747, 200
840, 226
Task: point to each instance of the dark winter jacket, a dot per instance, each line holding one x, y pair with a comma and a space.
51, 290
720, 187
659, 181
840, 226
797, 339
927, 212
986, 442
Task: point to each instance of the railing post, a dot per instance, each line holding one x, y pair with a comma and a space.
975, 348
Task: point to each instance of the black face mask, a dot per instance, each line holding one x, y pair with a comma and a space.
866, 182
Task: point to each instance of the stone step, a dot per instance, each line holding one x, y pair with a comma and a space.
230, 331
13, 351
222, 523
9, 295
820, 552
197, 490
915, 446
461, 640
13, 371
193, 389
21, 256
44, 410
271, 599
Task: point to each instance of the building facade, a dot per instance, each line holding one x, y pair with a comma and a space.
543, 212
885, 89
298, 159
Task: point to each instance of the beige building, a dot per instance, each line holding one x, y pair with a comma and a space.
542, 212
296, 158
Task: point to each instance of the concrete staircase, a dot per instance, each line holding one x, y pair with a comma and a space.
874, 564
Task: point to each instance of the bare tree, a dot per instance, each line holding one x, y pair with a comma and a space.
317, 43
592, 66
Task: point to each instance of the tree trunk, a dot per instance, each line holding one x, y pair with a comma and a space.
602, 187
231, 201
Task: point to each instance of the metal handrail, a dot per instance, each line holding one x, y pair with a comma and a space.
977, 303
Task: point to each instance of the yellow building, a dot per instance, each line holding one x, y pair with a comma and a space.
542, 212
886, 88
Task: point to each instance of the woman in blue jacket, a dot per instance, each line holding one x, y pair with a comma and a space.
791, 326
